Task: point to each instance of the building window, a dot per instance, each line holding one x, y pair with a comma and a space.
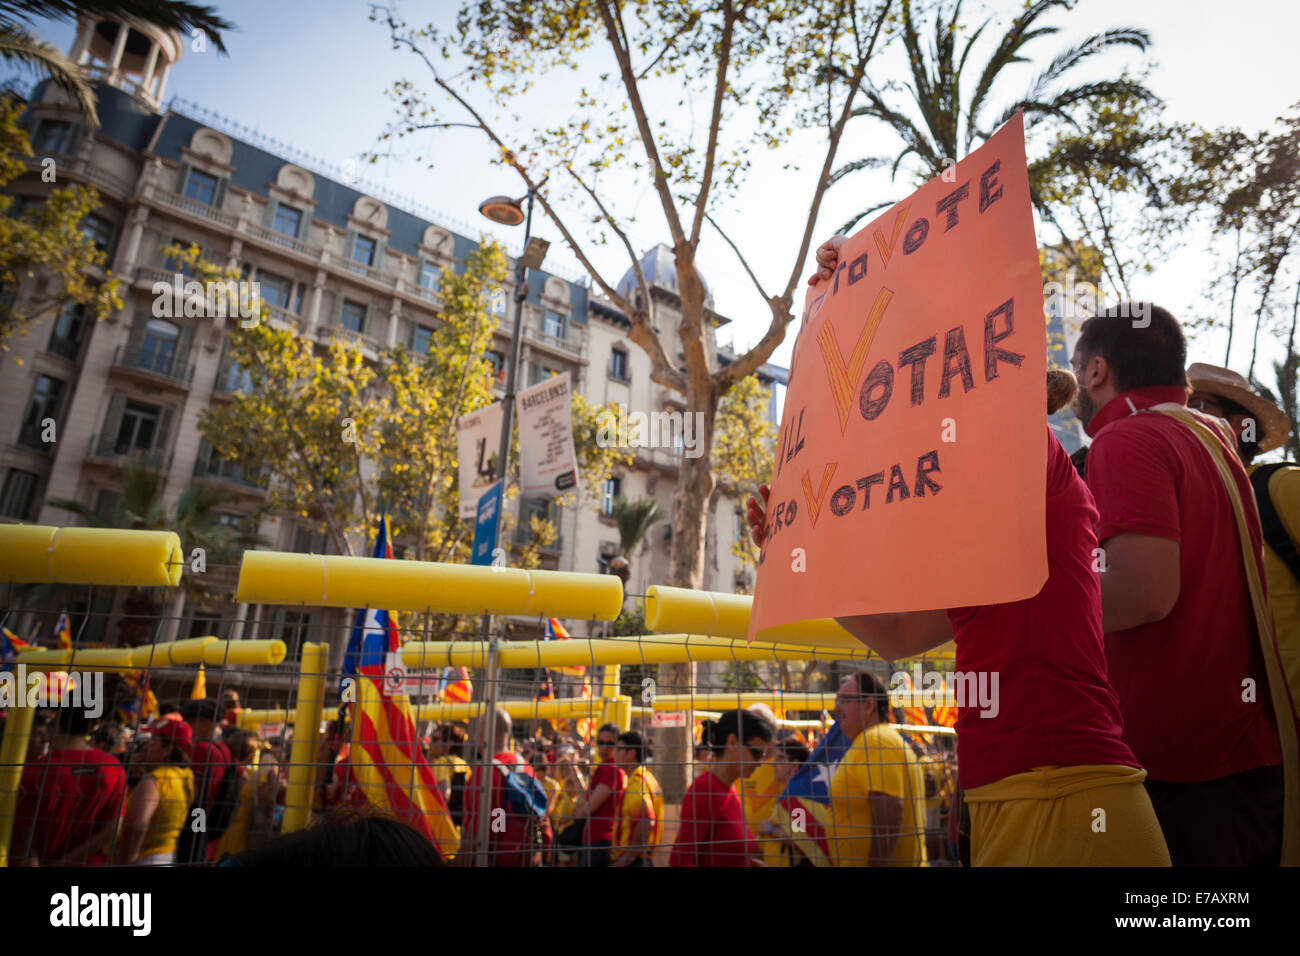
553, 324
290, 626
421, 339
352, 316
98, 230
612, 488
158, 346
542, 372
363, 250
202, 186
430, 276
135, 434
602, 562
69, 327
738, 530
54, 136
18, 495
498, 362
618, 365
308, 541
46, 397
287, 220
276, 290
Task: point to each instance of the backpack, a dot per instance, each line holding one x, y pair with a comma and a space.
525, 804
1275, 533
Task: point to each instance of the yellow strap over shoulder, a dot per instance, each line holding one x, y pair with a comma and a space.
1283, 707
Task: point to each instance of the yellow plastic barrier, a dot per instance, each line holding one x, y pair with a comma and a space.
647, 649
727, 615
724, 700
194, 650
40, 554
307, 716
272, 577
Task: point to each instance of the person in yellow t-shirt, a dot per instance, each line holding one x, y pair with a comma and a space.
259, 783
160, 803
878, 788
640, 823
1261, 426
447, 761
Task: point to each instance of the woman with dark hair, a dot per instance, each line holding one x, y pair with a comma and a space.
160, 803
713, 830
347, 837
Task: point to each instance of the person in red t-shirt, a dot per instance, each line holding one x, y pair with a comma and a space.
1181, 639
69, 801
514, 844
712, 831
1039, 741
600, 806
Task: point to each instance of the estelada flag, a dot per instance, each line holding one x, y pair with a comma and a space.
910, 465
200, 689
63, 632
803, 809
388, 763
455, 687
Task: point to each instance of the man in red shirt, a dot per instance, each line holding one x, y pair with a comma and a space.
69, 801
1183, 650
1039, 734
512, 838
604, 794
211, 762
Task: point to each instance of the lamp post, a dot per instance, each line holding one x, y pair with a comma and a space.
507, 212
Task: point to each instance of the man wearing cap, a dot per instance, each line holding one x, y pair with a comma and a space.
211, 762
1189, 642
1260, 426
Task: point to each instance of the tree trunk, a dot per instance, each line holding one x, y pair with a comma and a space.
695, 483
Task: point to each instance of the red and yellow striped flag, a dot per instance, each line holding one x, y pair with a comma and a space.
390, 768
945, 714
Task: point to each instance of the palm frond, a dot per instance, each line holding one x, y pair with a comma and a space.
1007, 52
1097, 43
634, 519
19, 46
849, 224
870, 162
169, 14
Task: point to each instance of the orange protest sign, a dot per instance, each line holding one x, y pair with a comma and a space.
910, 464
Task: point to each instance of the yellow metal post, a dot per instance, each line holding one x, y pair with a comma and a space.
306, 732
13, 754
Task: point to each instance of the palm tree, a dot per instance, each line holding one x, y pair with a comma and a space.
941, 128
633, 519
140, 507
19, 45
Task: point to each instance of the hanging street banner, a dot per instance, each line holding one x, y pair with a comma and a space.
548, 464
911, 461
486, 519
478, 440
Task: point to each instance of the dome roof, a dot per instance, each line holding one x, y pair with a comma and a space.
660, 268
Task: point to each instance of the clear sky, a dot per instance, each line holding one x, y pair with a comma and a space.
313, 74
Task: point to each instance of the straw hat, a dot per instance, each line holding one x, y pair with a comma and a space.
1274, 426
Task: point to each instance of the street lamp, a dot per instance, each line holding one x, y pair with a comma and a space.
507, 212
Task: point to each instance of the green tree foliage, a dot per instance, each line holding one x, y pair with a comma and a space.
744, 445
45, 239
765, 69
941, 115
341, 438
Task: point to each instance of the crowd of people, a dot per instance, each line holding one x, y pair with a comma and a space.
1147, 708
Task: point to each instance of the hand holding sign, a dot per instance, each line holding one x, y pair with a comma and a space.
909, 468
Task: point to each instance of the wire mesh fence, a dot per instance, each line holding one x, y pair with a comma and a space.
637, 750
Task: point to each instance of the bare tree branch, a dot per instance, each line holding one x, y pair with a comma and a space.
715, 122
728, 376
739, 255
616, 39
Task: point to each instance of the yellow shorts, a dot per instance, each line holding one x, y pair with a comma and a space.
1095, 815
